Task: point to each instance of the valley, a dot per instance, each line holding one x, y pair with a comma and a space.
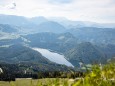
87, 44
45, 48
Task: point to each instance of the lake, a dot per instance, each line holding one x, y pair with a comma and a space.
53, 56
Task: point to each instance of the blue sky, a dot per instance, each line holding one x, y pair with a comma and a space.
102, 11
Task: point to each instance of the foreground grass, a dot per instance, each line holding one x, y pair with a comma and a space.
99, 76
39, 82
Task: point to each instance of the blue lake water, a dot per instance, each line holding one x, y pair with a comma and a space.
53, 56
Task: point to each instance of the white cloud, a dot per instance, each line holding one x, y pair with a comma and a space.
85, 10
11, 6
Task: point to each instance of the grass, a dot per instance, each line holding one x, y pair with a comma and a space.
99, 76
39, 82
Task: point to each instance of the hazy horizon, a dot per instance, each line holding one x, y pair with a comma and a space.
100, 11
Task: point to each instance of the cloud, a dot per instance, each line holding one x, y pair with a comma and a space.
80, 10
7, 4
11, 6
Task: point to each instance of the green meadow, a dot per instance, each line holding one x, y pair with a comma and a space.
39, 82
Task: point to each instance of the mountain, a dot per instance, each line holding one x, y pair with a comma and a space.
68, 23
72, 48
77, 40
94, 35
38, 20
19, 54
13, 44
8, 29
85, 53
8, 32
75, 23
34, 21
10, 35
14, 20
57, 42
32, 25
51, 26
23, 23
62, 42
108, 49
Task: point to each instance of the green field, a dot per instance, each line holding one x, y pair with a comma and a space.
39, 82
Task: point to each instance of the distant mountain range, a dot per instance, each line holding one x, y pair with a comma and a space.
94, 35
74, 51
51, 26
73, 24
35, 21
85, 42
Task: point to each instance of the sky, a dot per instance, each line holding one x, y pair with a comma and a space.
102, 11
